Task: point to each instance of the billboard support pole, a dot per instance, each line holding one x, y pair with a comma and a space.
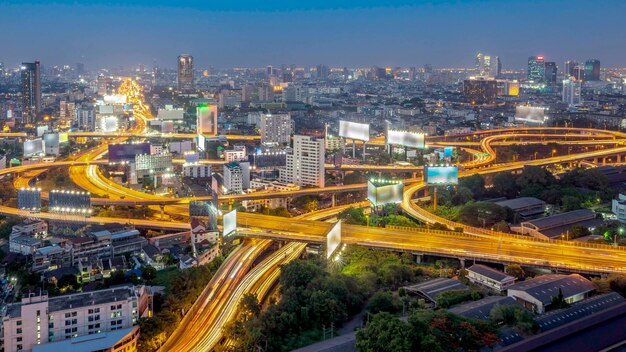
363, 150
434, 197
353, 149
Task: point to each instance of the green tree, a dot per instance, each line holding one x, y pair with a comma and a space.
515, 316
504, 184
353, 216
462, 196
311, 205
68, 281
570, 203
515, 270
482, 214
474, 183
535, 175
578, 230
382, 302
384, 333
148, 273
558, 301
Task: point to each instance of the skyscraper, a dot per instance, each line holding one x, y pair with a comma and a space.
550, 72
185, 72
571, 92
570, 65
480, 90
592, 70
488, 66
31, 91
305, 162
536, 69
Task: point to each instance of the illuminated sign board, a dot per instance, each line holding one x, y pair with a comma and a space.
531, 114
128, 151
406, 139
382, 192
448, 151
33, 147
114, 99
333, 239
442, 175
230, 223
353, 130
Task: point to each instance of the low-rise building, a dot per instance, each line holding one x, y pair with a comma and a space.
196, 170
557, 226
489, 277
112, 341
525, 208
39, 319
537, 294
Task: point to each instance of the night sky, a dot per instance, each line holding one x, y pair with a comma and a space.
337, 33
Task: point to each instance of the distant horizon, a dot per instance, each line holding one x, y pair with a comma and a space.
394, 33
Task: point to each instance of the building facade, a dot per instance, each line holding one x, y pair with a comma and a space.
305, 162
276, 128
185, 72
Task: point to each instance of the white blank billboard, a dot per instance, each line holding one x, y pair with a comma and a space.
230, 223
384, 194
353, 130
114, 99
33, 147
333, 239
406, 139
531, 114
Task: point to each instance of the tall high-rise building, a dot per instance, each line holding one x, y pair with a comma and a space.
276, 128
571, 91
206, 123
579, 72
185, 72
305, 162
322, 71
488, 66
536, 69
550, 71
480, 90
1, 69
592, 70
31, 91
570, 65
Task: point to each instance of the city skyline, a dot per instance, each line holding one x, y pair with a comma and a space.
246, 35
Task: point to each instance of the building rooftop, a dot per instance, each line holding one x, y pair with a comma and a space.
521, 203
482, 308
490, 272
86, 343
578, 310
570, 217
544, 287
431, 288
79, 300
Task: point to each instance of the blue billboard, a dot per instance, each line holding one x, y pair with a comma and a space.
447, 151
442, 175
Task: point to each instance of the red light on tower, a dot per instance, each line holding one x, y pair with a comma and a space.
539, 57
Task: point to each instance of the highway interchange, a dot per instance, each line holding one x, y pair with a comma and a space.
217, 304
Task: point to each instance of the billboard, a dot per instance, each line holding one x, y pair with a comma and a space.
382, 192
127, 151
29, 198
230, 223
108, 123
63, 137
114, 99
333, 239
532, 114
448, 151
33, 147
353, 130
69, 202
406, 139
441, 175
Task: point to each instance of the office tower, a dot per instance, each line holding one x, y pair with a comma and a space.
1, 69
322, 71
488, 66
276, 128
571, 91
412, 73
305, 162
536, 69
550, 72
592, 70
579, 72
269, 71
31, 91
570, 65
266, 92
67, 111
480, 90
206, 123
185, 72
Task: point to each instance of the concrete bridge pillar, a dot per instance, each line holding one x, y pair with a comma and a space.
419, 258
462, 260
334, 200
162, 206
619, 158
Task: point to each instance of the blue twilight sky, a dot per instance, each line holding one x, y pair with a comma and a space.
231, 33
